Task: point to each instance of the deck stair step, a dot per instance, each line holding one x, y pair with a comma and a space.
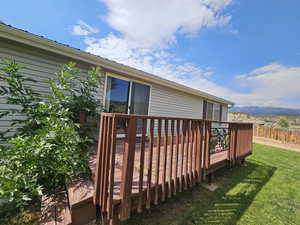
80, 194
55, 210
73, 206
81, 201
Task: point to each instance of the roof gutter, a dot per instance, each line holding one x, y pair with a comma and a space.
27, 38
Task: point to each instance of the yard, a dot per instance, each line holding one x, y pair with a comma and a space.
265, 190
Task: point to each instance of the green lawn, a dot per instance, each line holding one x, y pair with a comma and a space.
265, 190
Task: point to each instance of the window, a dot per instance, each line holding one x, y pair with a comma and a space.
126, 97
212, 111
139, 99
117, 92
216, 110
207, 110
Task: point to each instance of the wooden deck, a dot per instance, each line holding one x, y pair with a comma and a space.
153, 161
159, 157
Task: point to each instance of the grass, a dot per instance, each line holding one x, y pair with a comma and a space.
265, 190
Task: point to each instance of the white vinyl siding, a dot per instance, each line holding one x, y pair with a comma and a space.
40, 65
171, 103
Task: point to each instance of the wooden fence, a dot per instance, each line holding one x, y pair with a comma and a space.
283, 135
143, 160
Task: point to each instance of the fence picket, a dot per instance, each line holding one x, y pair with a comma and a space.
149, 172
157, 162
176, 181
142, 160
166, 137
171, 183
127, 170
182, 181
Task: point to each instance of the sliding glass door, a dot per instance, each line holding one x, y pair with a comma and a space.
139, 99
117, 92
126, 97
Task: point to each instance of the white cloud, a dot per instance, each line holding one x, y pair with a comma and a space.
145, 30
158, 62
83, 29
271, 85
155, 23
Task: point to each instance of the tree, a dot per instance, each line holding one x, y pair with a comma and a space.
283, 122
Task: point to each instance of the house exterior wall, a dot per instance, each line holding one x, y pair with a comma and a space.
40, 65
172, 103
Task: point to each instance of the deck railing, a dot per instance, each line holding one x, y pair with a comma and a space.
150, 159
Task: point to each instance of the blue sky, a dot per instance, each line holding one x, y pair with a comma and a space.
245, 51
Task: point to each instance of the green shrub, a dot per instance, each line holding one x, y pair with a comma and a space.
48, 149
283, 122
15, 89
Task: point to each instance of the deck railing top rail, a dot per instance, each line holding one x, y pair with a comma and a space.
121, 115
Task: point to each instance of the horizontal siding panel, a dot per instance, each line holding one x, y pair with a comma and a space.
33, 56
5, 123
172, 103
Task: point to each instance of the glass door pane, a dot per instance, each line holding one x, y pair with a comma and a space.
116, 100
209, 111
117, 92
139, 99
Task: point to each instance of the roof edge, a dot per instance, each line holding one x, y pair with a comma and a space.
27, 38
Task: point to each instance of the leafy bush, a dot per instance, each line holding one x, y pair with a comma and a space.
18, 94
84, 99
283, 122
48, 149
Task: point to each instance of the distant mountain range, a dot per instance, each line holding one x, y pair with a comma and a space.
265, 111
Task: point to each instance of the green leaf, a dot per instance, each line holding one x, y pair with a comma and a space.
26, 198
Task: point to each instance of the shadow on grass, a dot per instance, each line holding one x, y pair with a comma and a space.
237, 189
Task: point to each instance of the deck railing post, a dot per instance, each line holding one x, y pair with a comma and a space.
96, 198
206, 157
235, 149
127, 169
199, 149
149, 169
231, 144
112, 168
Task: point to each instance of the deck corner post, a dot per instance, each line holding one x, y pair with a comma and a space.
207, 145
199, 150
127, 169
236, 134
